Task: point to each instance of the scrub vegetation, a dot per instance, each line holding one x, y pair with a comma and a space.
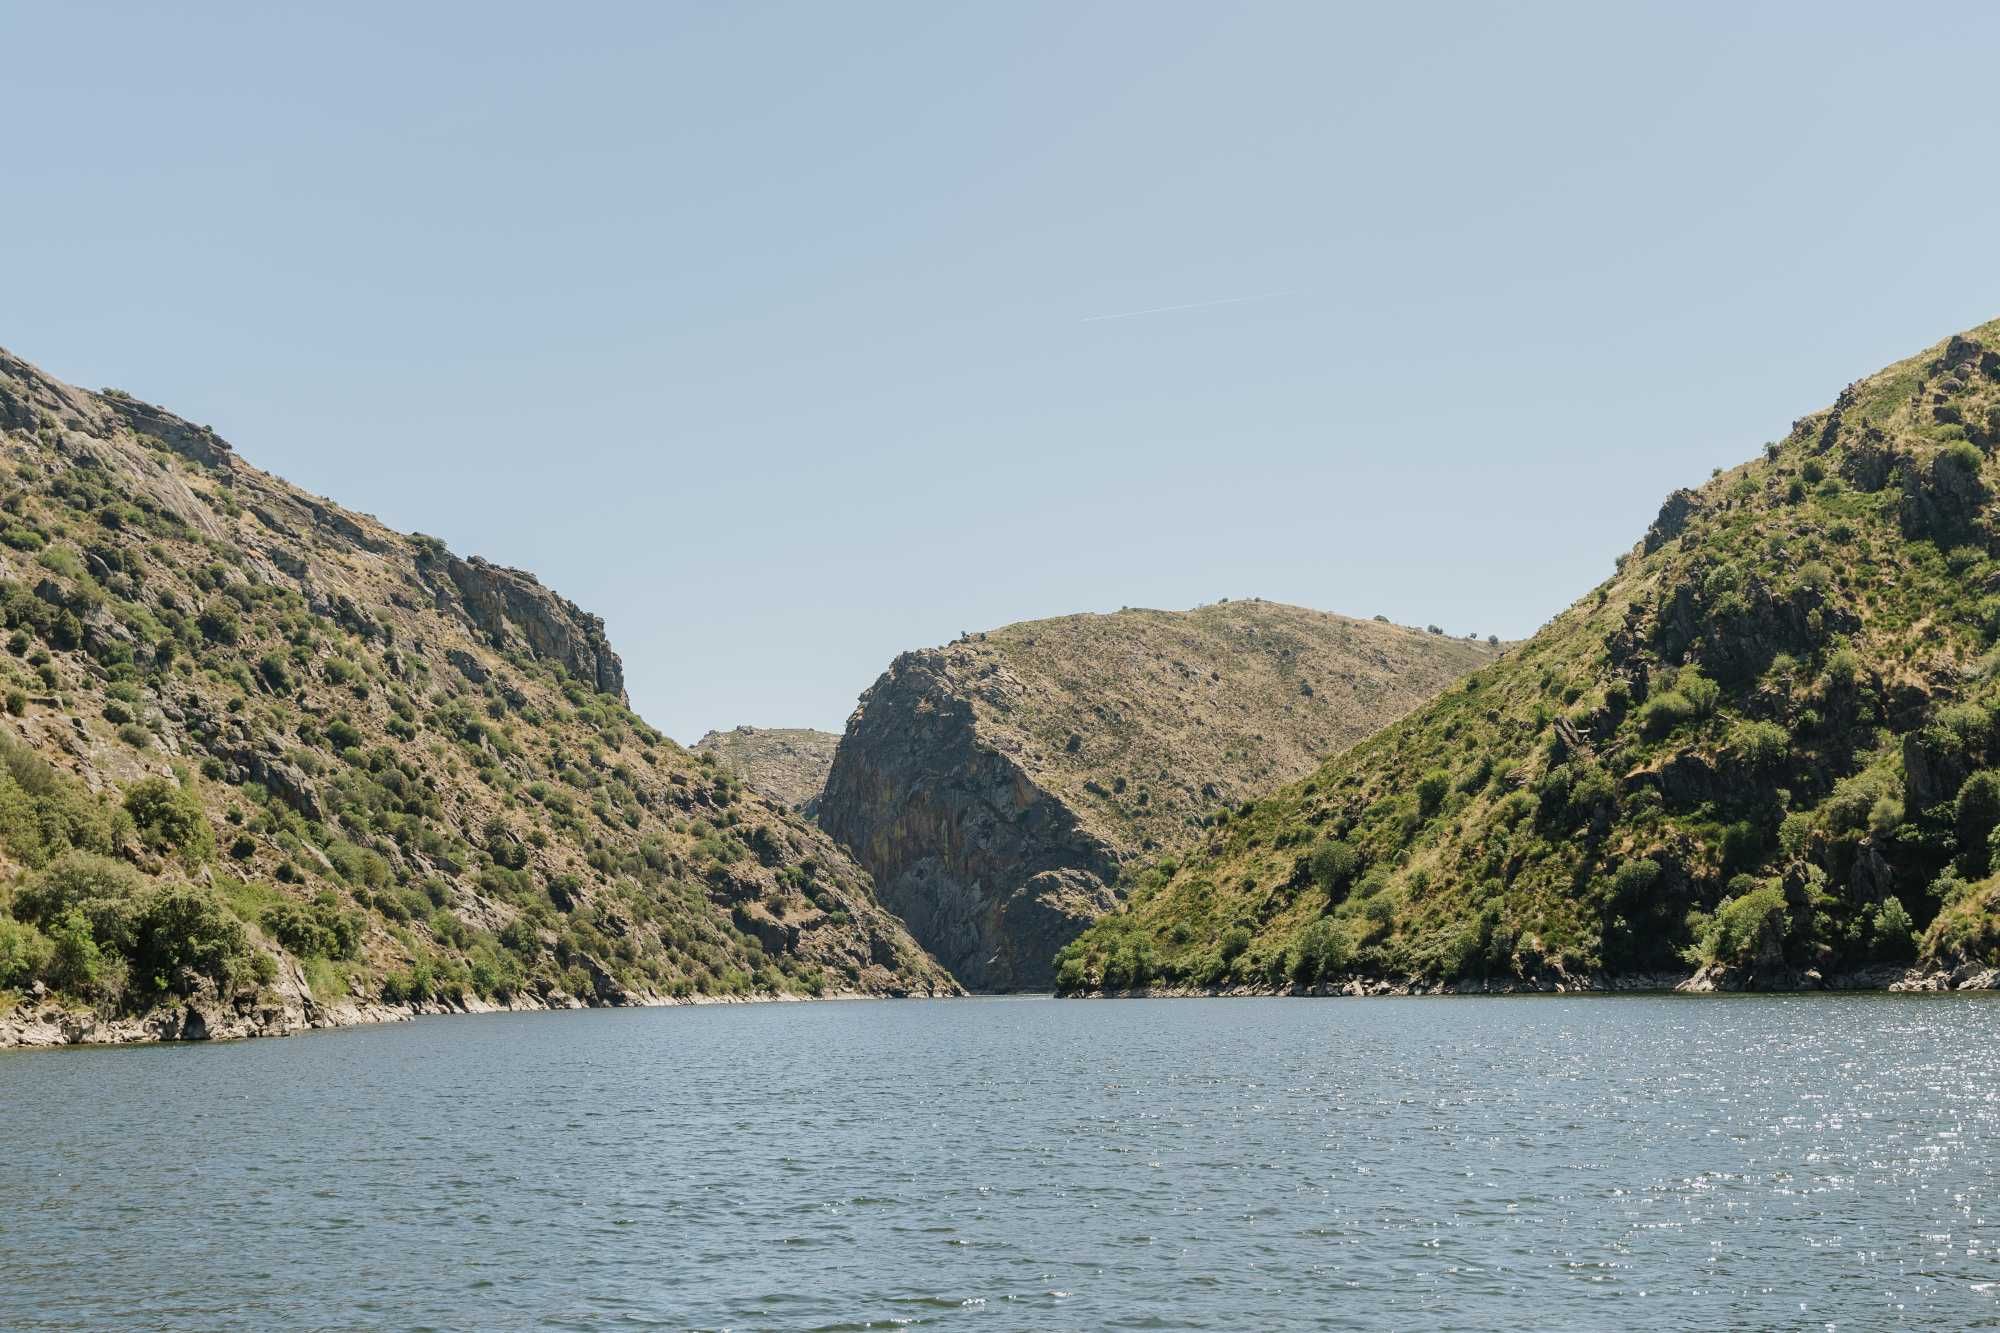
261, 751
1766, 749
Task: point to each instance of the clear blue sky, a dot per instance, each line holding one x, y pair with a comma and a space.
769, 331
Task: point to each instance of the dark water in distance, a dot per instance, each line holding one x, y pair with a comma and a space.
1824, 1162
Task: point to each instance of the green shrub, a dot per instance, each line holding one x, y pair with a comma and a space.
1961, 457
318, 930
1512, 808
1634, 879
1333, 866
184, 934
1703, 695
169, 818
24, 952
1663, 713
218, 624
1432, 788
1742, 925
1320, 951
96, 885
76, 961
1894, 938
1760, 744
1975, 814
44, 813
358, 865
1849, 808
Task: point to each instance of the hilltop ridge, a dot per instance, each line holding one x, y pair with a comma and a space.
788, 764
1764, 754
269, 764
995, 786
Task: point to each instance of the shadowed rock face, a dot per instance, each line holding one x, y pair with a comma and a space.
992, 871
994, 786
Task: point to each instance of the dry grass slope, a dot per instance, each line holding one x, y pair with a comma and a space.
994, 786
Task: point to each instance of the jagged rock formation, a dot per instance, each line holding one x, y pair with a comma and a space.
267, 764
515, 611
788, 764
995, 786
1765, 754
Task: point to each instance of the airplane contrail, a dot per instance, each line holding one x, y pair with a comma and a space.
1191, 305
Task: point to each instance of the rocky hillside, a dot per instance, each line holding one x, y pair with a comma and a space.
265, 763
788, 764
1764, 753
995, 786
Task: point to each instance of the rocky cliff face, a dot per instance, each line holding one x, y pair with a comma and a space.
517, 612
265, 764
995, 786
788, 764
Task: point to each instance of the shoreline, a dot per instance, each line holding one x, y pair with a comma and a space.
44, 1024
39, 1023
1888, 979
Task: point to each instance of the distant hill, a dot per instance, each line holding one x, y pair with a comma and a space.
268, 764
995, 786
1762, 754
788, 764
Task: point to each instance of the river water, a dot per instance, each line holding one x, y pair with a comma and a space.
1630, 1162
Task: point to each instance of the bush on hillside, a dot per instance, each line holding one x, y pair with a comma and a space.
1333, 866
1321, 950
1975, 816
168, 818
184, 934
24, 952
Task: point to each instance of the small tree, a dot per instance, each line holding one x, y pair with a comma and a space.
1321, 950
169, 818
1895, 936
1333, 866
183, 934
1977, 814
1432, 788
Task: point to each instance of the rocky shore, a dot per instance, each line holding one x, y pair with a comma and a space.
1705, 982
43, 1021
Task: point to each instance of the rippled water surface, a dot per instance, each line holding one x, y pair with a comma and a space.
1827, 1162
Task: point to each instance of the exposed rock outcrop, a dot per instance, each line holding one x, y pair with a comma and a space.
788, 764
513, 608
994, 786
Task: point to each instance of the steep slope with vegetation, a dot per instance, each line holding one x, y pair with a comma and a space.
996, 785
788, 764
1765, 753
265, 763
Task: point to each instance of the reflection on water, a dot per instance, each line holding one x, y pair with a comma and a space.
988, 1164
